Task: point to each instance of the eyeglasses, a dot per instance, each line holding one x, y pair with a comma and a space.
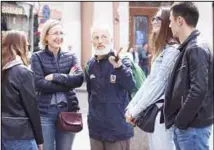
156, 19
103, 37
57, 34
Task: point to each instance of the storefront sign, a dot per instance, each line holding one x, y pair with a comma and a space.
47, 13
10, 9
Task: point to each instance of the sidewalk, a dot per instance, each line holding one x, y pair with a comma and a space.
81, 141
82, 88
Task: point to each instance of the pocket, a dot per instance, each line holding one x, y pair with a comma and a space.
189, 132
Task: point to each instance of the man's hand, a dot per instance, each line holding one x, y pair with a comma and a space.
116, 60
116, 64
40, 147
49, 77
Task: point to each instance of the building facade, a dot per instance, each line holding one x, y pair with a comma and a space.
17, 16
130, 22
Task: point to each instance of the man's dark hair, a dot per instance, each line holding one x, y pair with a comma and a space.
187, 10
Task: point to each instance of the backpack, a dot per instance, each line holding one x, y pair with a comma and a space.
138, 74
139, 77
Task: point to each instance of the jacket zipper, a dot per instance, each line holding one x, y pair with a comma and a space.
182, 101
57, 65
15, 118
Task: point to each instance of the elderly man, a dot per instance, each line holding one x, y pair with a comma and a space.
109, 82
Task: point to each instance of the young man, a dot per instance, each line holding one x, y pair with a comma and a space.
189, 97
108, 84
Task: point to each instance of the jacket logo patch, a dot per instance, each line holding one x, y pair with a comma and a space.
92, 76
113, 78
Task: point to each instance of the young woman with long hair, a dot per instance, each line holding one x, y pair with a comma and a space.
21, 126
153, 88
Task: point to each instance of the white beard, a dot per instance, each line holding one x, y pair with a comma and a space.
104, 51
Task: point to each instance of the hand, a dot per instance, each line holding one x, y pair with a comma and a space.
129, 118
116, 64
49, 77
40, 147
73, 70
116, 60
149, 55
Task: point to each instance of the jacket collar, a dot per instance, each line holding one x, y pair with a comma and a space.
51, 53
193, 35
16, 61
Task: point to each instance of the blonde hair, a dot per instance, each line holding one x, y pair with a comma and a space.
46, 27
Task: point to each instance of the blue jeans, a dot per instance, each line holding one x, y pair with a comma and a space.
54, 139
192, 138
18, 144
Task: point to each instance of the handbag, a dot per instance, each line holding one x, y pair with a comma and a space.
147, 117
70, 122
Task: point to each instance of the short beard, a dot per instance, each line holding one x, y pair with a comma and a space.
104, 51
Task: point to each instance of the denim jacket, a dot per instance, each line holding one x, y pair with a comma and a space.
153, 87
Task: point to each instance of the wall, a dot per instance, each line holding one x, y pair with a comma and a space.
103, 14
71, 20
123, 11
86, 23
205, 23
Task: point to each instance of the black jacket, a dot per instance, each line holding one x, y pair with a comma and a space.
20, 114
44, 63
189, 94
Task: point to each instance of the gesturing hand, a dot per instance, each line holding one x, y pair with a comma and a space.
116, 60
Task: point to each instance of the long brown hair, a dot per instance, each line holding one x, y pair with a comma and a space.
14, 43
159, 40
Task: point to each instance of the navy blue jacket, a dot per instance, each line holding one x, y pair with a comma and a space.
108, 90
44, 63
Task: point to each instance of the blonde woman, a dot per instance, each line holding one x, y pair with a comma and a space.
21, 126
55, 84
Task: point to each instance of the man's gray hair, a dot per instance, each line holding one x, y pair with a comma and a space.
101, 27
